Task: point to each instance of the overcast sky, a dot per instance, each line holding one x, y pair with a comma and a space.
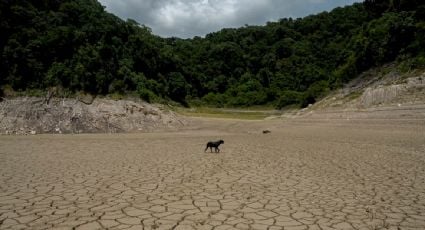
188, 18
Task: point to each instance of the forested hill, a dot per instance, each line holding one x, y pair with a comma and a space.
76, 46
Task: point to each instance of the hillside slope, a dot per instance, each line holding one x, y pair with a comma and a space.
77, 46
379, 93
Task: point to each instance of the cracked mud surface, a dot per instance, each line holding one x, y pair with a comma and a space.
300, 176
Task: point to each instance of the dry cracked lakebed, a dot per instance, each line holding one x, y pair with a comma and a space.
302, 175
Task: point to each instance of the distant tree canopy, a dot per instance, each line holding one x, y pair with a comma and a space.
78, 46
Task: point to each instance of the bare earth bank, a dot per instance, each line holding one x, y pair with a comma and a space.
305, 174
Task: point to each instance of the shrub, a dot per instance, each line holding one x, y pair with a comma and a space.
288, 97
217, 100
314, 92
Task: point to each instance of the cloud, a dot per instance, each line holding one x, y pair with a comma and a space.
188, 18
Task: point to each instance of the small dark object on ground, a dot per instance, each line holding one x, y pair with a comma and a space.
266, 131
214, 144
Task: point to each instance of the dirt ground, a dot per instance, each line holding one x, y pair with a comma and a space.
305, 174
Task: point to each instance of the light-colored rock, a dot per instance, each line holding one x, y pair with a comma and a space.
83, 116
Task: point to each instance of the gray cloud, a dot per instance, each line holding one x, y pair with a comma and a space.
188, 18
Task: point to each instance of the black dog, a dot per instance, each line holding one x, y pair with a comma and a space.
214, 144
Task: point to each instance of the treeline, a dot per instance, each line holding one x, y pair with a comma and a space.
76, 46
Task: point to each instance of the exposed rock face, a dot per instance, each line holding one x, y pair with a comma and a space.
35, 115
393, 93
372, 96
381, 95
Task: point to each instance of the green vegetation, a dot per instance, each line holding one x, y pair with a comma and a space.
246, 114
76, 46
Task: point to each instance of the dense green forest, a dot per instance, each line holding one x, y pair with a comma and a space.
76, 46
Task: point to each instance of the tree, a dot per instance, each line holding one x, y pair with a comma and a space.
77, 45
177, 87
288, 97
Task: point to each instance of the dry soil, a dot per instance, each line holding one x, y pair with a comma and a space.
305, 174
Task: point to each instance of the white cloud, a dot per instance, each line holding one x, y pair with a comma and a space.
188, 18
